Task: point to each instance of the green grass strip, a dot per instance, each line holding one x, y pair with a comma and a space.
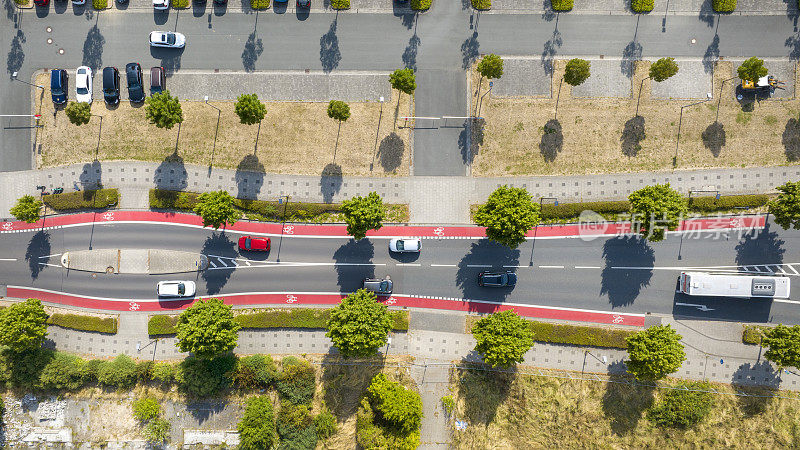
84, 323
579, 335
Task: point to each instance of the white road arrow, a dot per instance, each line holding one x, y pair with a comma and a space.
700, 307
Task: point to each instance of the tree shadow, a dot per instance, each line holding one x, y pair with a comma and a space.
38, 247
351, 275
170, 58
344, 385
11, 10
407, 18
714, 138
549, 14
623, 285
549, 53
330, 181
758, 397
329, 54
632, 136
218, 244
711, 55
483, 391
467, 275
469, 50
791, 140
410, 53
552, 140
249, 177
203, 410
93, 49
760, 247
253, 48
793, 42
16, 56
624, 403
171, 174
91, 176
707, 13
631, 53
470, 139
391, 152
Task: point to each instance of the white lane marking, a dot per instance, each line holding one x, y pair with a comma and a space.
789, 266
780, 300
587, 267
211, 262
479, 265
56, 254
51, 265
443, 265
770, 270
514, 266
551, 267
408, 264
8, 259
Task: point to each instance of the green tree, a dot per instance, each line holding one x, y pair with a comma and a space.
663, 69
399, 406
752, 69
257, 427
785, 208
23, 326
207, 329
784, 345
654, 353
403, 80
363, 214
508, 214
577, 71
656, 209
359, 325
502, 338
491, 66
78, 113
249, 109
216, 209
338, 110
163, 110
27, 209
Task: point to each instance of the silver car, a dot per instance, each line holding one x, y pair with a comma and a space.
405, 245
167, 39
83, 85
378, 286
176, 289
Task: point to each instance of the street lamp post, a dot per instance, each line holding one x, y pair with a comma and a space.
14, 77
719, 100
680, 122
641, 85
283, 224
536, 228
214, 149
99, 133
377, 134
480, 103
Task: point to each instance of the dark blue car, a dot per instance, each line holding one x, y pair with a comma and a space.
497, 279
58, 86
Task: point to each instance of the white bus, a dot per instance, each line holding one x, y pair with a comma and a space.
740, 285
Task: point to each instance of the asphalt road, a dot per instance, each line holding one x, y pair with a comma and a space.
439, 43
565, 272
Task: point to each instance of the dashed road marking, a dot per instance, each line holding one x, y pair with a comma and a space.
479, 265
587, 267
443, 265
409, 264
551, 267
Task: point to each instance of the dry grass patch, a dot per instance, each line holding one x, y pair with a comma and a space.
509, 412
521, 136
296, 138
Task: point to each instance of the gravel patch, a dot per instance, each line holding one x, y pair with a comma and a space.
691, 82
522, 77
606, 80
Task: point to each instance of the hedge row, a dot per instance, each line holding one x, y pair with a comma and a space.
273, 318
752, 334
84, 323
561, 5
727, 202
579, 335
642, 6
482, 4
573, 210
164, 199
420, 5
723, 6
259, 4
99, 4
94, 199
340, 4
180, 3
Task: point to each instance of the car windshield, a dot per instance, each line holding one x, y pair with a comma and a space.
400, 245
247, 243
83, 91
170, 38
57, 91
503, 279
384, 286
181, 289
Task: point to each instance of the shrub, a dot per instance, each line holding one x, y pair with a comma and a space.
180, 3
573, 210
723, 6
420, 5
727, 202
146, 409
205, 377
119, 372
144, 371
681, 408
23, 369
642, 6
448, 404
165, 199
296, 426
340, 4
259, 4
91, 199
482, 4
296, 382
63, 372
162, 324
84, 323
164, 372
91, 369
370, 435
257, 371
325, 423
561, 5
395, 404
579, 335
157, 431
752, 334
99, 4
303, 318
257, 427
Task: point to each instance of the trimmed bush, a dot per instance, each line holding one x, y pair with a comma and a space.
94, 199
297, 381
259, 4
340, 4
99, 4
84, 323
162, 324
420, 5
146, 409
296, 426
573, 210
561, 5
727, 202
63, 372
178, 4
642, 6
119, 372
482, 4
752, 334
257, 371
205, 377
679, 408
164, 199
579, 335
164, 372
723, 6
325, 423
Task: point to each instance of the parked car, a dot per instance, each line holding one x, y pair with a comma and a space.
304, 4
160, 4
497, 279
158, 81
176, 289
220, 2
111, 85
256, 244
378, 286
83, 84
133, 73
41, 2
405, 245
167, 39
58, 86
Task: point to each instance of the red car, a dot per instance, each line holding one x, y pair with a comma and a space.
41, 2
254, 243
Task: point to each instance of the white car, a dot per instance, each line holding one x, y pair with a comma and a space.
176, 289
167, 39
161, 4
78, 2
83, 85
405, 245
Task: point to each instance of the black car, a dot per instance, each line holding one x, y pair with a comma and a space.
158, 80
133, 72
111, 85
58, 86
497, 279
220, 2
304, 4
378, 286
